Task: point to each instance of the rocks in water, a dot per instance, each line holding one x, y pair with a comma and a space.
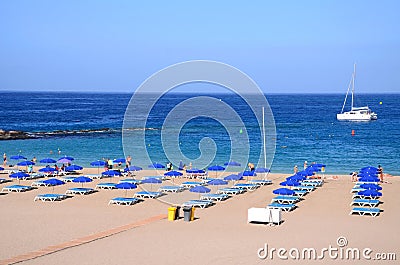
13, 135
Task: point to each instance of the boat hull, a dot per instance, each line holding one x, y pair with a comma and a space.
347, 116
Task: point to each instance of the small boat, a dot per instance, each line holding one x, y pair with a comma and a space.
355, 113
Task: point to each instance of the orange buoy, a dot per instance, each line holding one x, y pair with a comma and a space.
353, 132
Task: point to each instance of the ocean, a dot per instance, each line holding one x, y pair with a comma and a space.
88, 126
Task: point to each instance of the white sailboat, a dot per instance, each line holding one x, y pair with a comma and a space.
355, 113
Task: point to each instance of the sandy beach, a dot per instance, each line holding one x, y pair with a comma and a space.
219, 235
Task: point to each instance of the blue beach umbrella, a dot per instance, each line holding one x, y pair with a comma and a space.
126, 186
283, 191
296, 178
290, 183
216, 168
318, 165
232, 164
367, 175
64, 161
370, 187
47, 169
70, 158
156, 165
200, 189
73, 168
25, 163
248, 173
82, 179
19, 175
17, 157
119, 160
372, 193
98, 163
173, 174
132, 168
54, 182
151, 181
262, 170
111, 173
47, 161
369, 168
368, 179
233, 177
217, 182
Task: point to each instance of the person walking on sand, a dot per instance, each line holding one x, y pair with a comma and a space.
128, 161
354, 176
4, 160
380, 173
295, 169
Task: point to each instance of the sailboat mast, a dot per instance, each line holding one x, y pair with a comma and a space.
352, 90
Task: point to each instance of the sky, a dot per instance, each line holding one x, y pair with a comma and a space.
284, 46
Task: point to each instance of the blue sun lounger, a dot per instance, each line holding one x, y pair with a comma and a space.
365, 202
300, 193
68, 179
365, 211
198, 203
132, 181
40, 183
3, 180
283, 199
171, 189
191, 184
79, 191
303, 188
106, 186
50, 197
310, 183
246, 186
124, 201
214, 197
148, 194
283, 207
17, 188
358, 196
231, 191
260, 182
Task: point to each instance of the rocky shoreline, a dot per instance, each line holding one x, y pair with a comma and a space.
20, 135
13, 135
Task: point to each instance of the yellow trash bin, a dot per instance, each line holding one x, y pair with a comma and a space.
171, 213
192, 214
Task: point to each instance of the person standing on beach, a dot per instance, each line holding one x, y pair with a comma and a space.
251, 166
128, 161
34, 159
380, 173
295, 169
4, 159
305, 165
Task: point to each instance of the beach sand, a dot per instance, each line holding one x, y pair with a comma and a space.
219, 235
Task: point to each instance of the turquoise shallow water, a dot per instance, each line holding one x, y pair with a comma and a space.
306, 128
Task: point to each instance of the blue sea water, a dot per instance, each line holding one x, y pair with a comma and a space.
306, 129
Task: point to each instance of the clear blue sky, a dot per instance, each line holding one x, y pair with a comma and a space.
285, 46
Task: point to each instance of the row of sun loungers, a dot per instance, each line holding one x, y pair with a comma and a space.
366, 202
